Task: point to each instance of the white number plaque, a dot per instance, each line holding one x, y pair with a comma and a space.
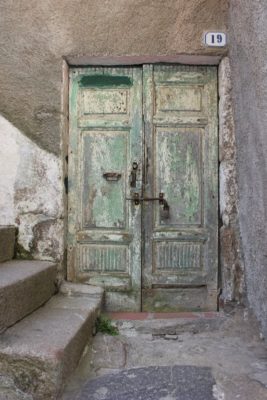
215, 39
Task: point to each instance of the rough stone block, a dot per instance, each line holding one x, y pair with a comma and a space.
7, 242
24, 286
41, 351
232, 268
78, 289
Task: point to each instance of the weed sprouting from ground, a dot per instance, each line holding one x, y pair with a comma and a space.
104, 325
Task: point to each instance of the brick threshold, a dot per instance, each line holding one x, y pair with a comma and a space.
141, 316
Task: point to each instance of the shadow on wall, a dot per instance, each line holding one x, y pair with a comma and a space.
31, 195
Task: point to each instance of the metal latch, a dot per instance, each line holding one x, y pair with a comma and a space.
133, 174
165, 213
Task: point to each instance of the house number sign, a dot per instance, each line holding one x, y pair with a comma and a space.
215, 39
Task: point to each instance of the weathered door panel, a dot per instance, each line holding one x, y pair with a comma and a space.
180, 249
105, 141
177, 244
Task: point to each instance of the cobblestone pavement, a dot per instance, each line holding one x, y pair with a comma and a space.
227, 354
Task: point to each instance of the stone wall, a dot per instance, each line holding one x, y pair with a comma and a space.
248, 49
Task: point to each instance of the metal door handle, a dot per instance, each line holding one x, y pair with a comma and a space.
112, 176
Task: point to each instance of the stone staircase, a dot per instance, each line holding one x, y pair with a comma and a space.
44, 329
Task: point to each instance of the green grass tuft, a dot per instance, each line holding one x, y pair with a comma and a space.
104, 325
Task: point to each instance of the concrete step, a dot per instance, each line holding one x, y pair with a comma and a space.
24, 286
40, 352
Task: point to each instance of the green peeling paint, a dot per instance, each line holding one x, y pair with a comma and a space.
105, 81
107, 236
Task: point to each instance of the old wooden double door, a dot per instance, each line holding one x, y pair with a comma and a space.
143, 185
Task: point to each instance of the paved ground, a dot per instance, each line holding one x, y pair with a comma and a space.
152, 383
222, 358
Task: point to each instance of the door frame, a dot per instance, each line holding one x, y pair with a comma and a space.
221, 62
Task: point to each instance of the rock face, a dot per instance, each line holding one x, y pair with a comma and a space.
9, 391
248, 48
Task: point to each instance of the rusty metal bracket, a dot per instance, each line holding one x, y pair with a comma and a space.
160, 199
166, 208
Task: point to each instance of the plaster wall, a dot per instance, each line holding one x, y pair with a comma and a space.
36, 34
248, 49
31, 194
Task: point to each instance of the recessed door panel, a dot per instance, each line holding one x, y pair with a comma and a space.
103, 167
178, 173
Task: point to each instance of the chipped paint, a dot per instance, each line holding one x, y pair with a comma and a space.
179, 172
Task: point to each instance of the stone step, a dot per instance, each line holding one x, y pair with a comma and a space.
24, 286
40, 352
162, 324
7, 242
